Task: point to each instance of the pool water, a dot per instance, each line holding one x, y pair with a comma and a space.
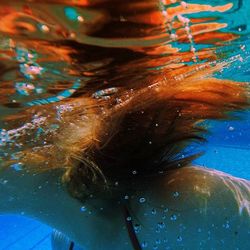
53, 51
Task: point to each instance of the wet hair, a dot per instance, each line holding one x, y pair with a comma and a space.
145, 102
148, 134
150, 118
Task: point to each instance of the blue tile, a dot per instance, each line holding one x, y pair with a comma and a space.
20, 233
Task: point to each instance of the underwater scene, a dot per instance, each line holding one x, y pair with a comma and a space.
124, 125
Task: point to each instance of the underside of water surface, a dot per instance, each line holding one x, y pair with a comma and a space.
69, 69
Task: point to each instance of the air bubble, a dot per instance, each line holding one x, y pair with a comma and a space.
158, 242
226, 225
173, 217
153, 211
24, 88
161, 225
80, 19
128, 218
144, 244
142, 200
179, 238
17, 166
134, 172
137, 228
184, 4
44, 28
176, 194
83, 209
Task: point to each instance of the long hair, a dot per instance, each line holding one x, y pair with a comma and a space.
145, 100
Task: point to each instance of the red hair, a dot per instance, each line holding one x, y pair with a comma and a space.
137, 122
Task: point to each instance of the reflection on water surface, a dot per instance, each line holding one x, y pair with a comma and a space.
53, 53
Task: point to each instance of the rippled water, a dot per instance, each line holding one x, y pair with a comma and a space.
55, 54
55, 51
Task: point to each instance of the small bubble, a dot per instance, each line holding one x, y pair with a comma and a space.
3, 182
17, 166
153, 211
44, 28
126, 197
158, 242
226, 225
173, 217
144, 244
165, 240
161, 225
179, 238
184, 4
122, 19
142, 200
231, 128
80, 19
83, 209
173, 36
137, 228
128, 218
176, 194
39, 90
134, 172
24, 88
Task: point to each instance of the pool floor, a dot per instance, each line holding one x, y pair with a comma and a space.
20, 233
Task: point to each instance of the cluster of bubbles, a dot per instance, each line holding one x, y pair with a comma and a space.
105, 93
8, 137
30, 69
185, 23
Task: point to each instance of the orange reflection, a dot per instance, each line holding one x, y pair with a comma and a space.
134, 49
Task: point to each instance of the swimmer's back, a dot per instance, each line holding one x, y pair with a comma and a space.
195, 208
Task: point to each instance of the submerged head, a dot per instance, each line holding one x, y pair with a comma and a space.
141, 98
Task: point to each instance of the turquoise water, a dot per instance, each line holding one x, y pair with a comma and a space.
42, 66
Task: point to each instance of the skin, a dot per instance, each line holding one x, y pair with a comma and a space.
189, 208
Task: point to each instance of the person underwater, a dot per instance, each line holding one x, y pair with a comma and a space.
103, 154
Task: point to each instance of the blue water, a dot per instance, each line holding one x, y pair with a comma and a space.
227, 148
223, 153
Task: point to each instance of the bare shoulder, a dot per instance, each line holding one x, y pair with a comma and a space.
198, 207
196, 184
